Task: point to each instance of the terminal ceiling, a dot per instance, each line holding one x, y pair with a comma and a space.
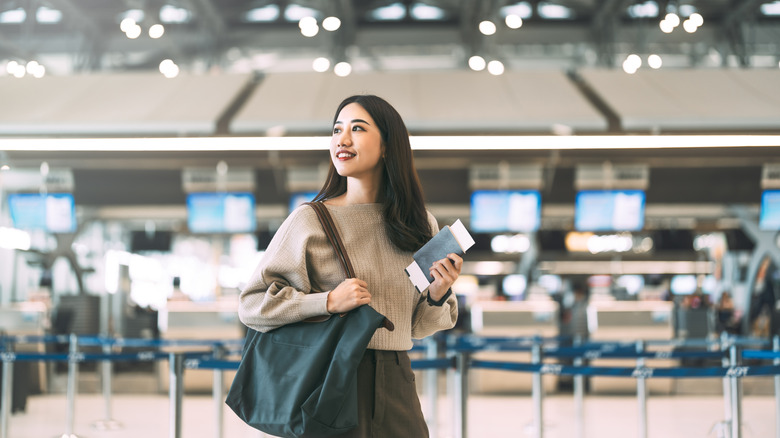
240, 35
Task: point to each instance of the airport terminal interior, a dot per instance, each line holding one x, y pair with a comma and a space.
617, 163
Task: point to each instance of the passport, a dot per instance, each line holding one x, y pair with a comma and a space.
450, 239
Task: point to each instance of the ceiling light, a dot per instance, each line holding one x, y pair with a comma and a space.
440, 143
331, 24
632, 63
477, 63
513, 21
32, 66
342, 69
310, 31
13, 16
48, 15
133, 32
173, 14
424, 12
690, 26
264, 14
15, 69
127, 24
495, 68
654, 61
321, 64
521, 9
11, 67
553, 11
697, 19
169, 69
673, 19
666, 26
393, 12
156, 31
307, 21
487, 27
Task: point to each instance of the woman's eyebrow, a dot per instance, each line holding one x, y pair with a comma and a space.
338, 122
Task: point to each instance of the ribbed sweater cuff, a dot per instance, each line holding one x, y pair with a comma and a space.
314, 305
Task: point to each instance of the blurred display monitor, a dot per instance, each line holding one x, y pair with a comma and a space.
298, 198
770, 210
500, 211
609, 210
221, 212
53, 212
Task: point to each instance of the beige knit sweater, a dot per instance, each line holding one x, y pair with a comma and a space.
300, 261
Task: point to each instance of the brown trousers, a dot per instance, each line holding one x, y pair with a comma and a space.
388, 405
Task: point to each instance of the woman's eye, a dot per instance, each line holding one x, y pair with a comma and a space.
336, 130
358, 128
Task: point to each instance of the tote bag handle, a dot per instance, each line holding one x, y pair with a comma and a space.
333, 235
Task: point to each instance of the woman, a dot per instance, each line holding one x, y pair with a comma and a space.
375, 197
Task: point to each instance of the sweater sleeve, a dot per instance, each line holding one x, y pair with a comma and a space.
428, 319
279, 291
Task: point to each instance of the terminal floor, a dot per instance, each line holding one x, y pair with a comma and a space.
489, 416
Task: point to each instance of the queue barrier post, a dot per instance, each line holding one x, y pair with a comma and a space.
107, 370
579, 411
736, 394
725, 425
175, 392
776, 349
5, 398
218, 392
536, 388
641, 389
432, 386
460, 391
73, 378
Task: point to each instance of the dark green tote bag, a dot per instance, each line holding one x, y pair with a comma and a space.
300, 380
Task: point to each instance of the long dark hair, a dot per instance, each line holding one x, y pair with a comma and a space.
401, 194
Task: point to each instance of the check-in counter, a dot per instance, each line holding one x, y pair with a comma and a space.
630, 321
29, 318
187, 320
511, 318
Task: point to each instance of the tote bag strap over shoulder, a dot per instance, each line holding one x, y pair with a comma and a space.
333, 235
341, 251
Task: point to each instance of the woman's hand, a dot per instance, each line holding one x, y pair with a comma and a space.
351, 293
445, 272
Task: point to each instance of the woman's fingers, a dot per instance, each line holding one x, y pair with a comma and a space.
351, 293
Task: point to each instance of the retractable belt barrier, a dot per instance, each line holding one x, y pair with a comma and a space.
457, 360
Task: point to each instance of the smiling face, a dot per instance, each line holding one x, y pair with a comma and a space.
356, 144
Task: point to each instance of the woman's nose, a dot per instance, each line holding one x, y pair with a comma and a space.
344, 138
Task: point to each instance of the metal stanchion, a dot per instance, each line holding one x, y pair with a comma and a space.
461, 391
776, 348
536, 388
432, 386
579, 390
641, 390
5, 400
107, 423
218, 392
175, 392
736, 395
725, 425
73, 379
